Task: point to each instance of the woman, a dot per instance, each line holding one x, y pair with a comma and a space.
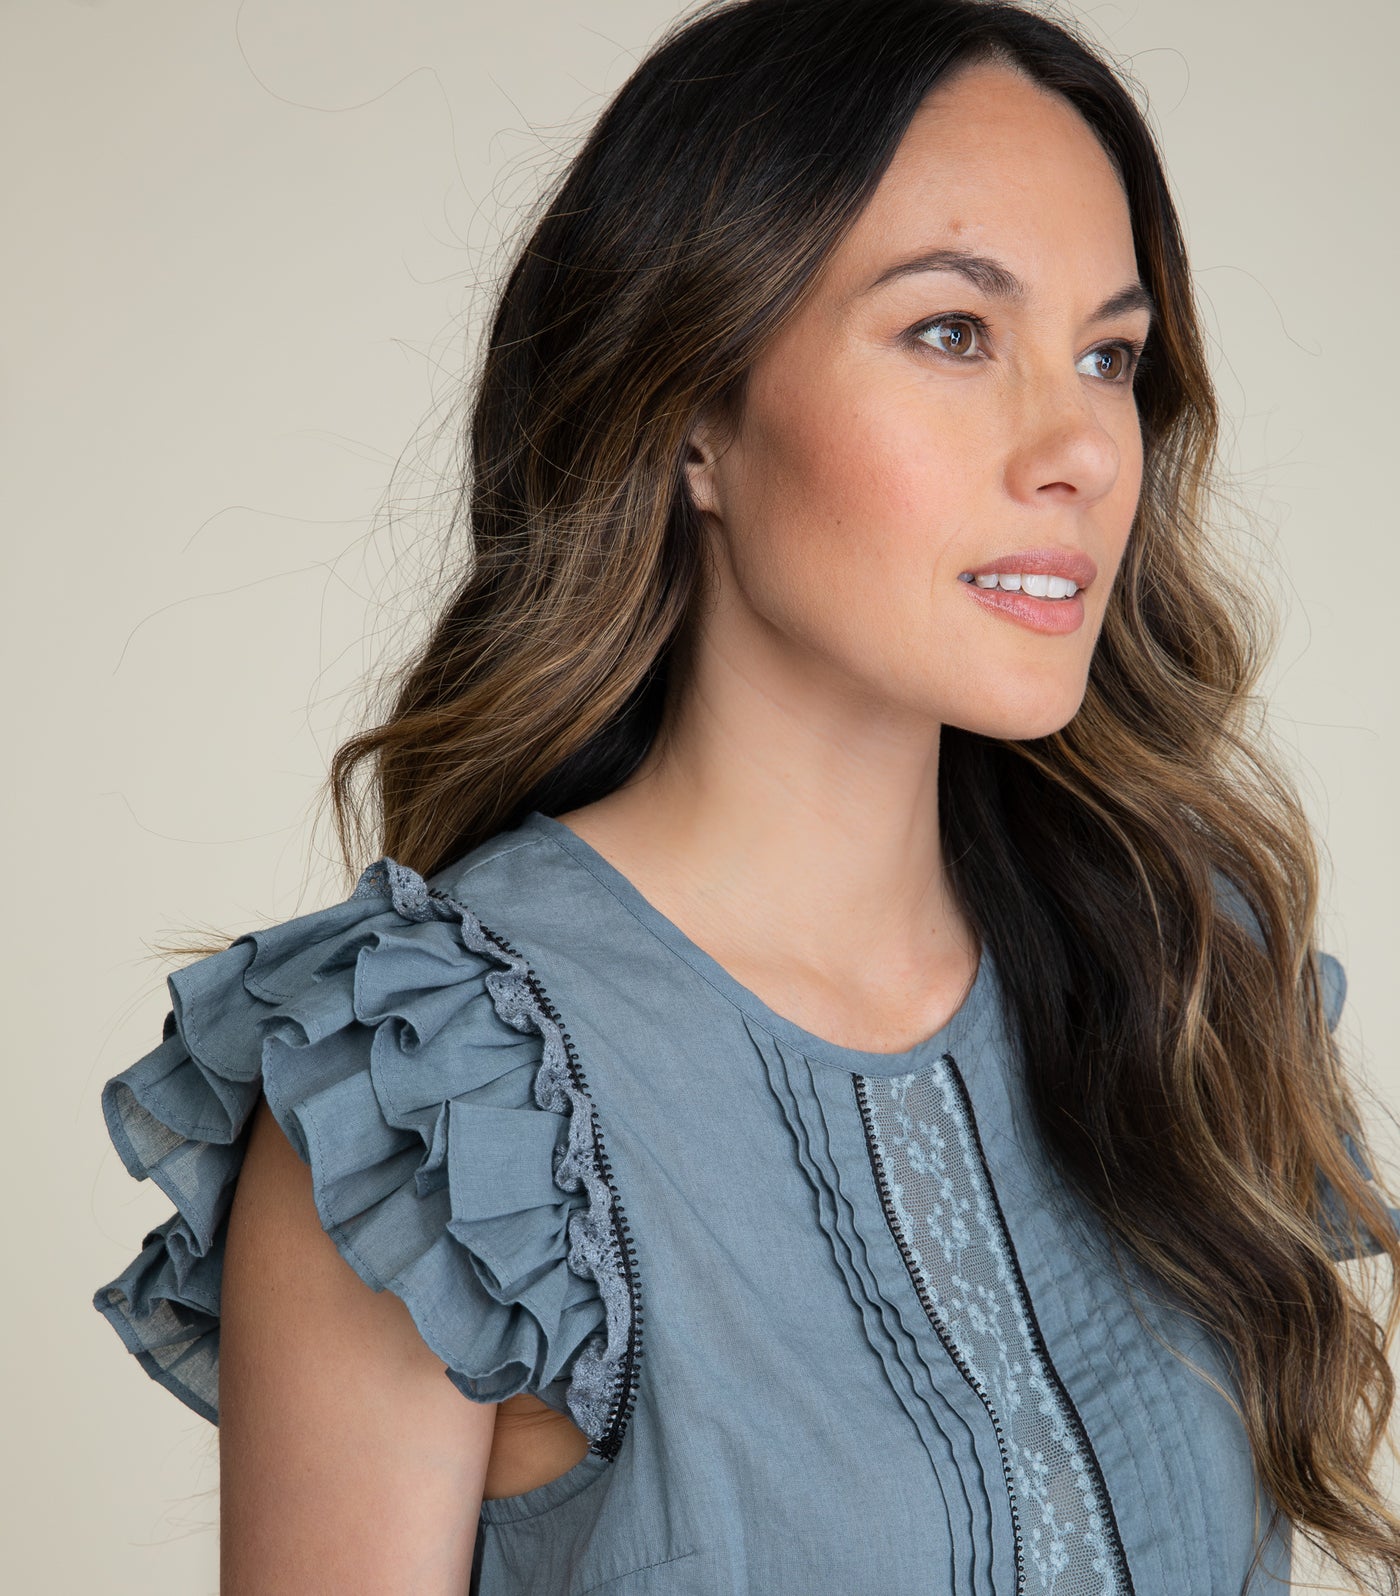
832, 1059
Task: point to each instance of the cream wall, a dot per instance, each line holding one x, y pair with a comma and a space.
238, 250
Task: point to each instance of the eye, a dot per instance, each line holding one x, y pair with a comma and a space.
1117, 362
964, 335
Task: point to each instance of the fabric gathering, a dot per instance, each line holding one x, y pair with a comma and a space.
750, 1263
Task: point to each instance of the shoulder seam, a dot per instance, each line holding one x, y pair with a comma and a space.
599, 1232
515, 847
742, 1009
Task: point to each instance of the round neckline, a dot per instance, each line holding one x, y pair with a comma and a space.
957, 1028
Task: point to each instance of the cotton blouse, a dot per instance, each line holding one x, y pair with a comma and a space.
825, 1315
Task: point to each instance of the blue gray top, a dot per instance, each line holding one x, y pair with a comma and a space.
825, 1316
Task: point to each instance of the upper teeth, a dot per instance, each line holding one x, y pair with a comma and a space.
1037, 586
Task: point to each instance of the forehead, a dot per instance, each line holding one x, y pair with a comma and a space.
991, 160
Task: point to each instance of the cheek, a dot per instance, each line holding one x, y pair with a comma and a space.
1123, 500
846, 499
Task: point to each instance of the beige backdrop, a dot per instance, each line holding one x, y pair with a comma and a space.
239, 248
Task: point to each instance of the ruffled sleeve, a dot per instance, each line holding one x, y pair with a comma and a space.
1334, 992
1339, 1243
413, 1060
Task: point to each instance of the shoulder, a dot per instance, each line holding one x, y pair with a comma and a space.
412, 1058
1331, 972
1332, 980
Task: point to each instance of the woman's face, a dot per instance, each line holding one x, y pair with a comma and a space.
909, 429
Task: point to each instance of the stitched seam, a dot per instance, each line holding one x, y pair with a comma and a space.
941, 1329
1041, 1350
651, 931
530, 842
627, 1374
614, 1579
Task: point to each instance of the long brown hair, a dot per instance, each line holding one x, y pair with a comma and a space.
1184, 1075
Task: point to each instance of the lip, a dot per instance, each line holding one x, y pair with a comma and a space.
1074, 564
1053, 617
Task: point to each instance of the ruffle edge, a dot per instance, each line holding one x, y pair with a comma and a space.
414, 1061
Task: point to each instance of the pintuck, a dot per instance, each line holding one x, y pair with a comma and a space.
826, 1316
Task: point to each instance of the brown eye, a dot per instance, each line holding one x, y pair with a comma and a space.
1113, 362
950, 335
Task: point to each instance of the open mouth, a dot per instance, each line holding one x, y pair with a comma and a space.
1031, 583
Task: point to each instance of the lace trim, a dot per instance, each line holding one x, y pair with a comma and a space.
927, 1156
605, 1372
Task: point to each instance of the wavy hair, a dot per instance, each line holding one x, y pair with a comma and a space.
1184, 1078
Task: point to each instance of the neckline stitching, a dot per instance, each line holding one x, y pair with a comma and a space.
831, 1054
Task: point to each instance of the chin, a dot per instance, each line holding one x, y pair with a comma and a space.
1021, 718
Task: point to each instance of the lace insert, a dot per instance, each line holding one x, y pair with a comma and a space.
943, 1212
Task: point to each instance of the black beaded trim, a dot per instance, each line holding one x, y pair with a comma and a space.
1041, 1351
624, 1395
944, 1334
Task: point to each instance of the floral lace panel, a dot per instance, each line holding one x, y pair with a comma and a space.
943, 1212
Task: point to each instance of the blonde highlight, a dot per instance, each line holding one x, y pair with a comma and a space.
1162, 978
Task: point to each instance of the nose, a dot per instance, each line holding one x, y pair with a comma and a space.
1062, 446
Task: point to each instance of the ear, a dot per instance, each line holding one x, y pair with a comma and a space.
701, 459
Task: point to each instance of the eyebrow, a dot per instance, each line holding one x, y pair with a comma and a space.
1000, 282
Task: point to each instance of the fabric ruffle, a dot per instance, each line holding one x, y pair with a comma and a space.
413, 1061
1339, 1243
1333, 980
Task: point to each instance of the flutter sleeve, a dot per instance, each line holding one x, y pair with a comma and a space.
1334, 992
1339, 1243
413, 1061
